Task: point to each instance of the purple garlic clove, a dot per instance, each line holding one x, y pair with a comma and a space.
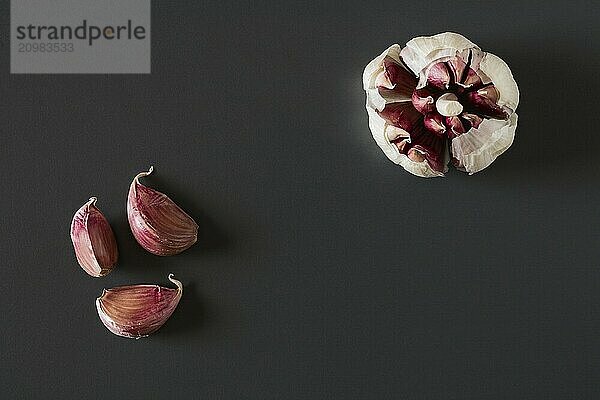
423, 101
157, 223
137, 311
439, 76
434, 122
93, 240
484, 102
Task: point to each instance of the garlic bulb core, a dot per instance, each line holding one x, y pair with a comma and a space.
448, 105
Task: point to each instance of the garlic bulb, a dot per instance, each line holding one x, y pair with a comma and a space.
441, 99
137, 311
93, 240
157, 223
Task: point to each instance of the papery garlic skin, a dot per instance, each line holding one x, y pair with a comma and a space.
93, 240
441, 99
136, 311
157, 223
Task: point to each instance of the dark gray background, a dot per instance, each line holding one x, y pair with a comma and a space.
323, 271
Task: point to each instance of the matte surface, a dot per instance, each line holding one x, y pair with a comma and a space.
323, 271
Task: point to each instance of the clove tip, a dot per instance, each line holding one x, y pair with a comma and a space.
176, 282
99, 299
143, 174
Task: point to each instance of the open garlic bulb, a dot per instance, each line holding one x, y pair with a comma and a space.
441, 99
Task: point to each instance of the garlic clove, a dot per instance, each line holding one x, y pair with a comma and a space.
422, 51
434, 148
394, 76
402, 115
371, 73
479, 147
376, 66
463, 67
500, 74
379, 129
157, 223
439, 76
93, 240
386, 80
484, 102
457, 126
402, 81
435, 123
423, 101
136, 311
